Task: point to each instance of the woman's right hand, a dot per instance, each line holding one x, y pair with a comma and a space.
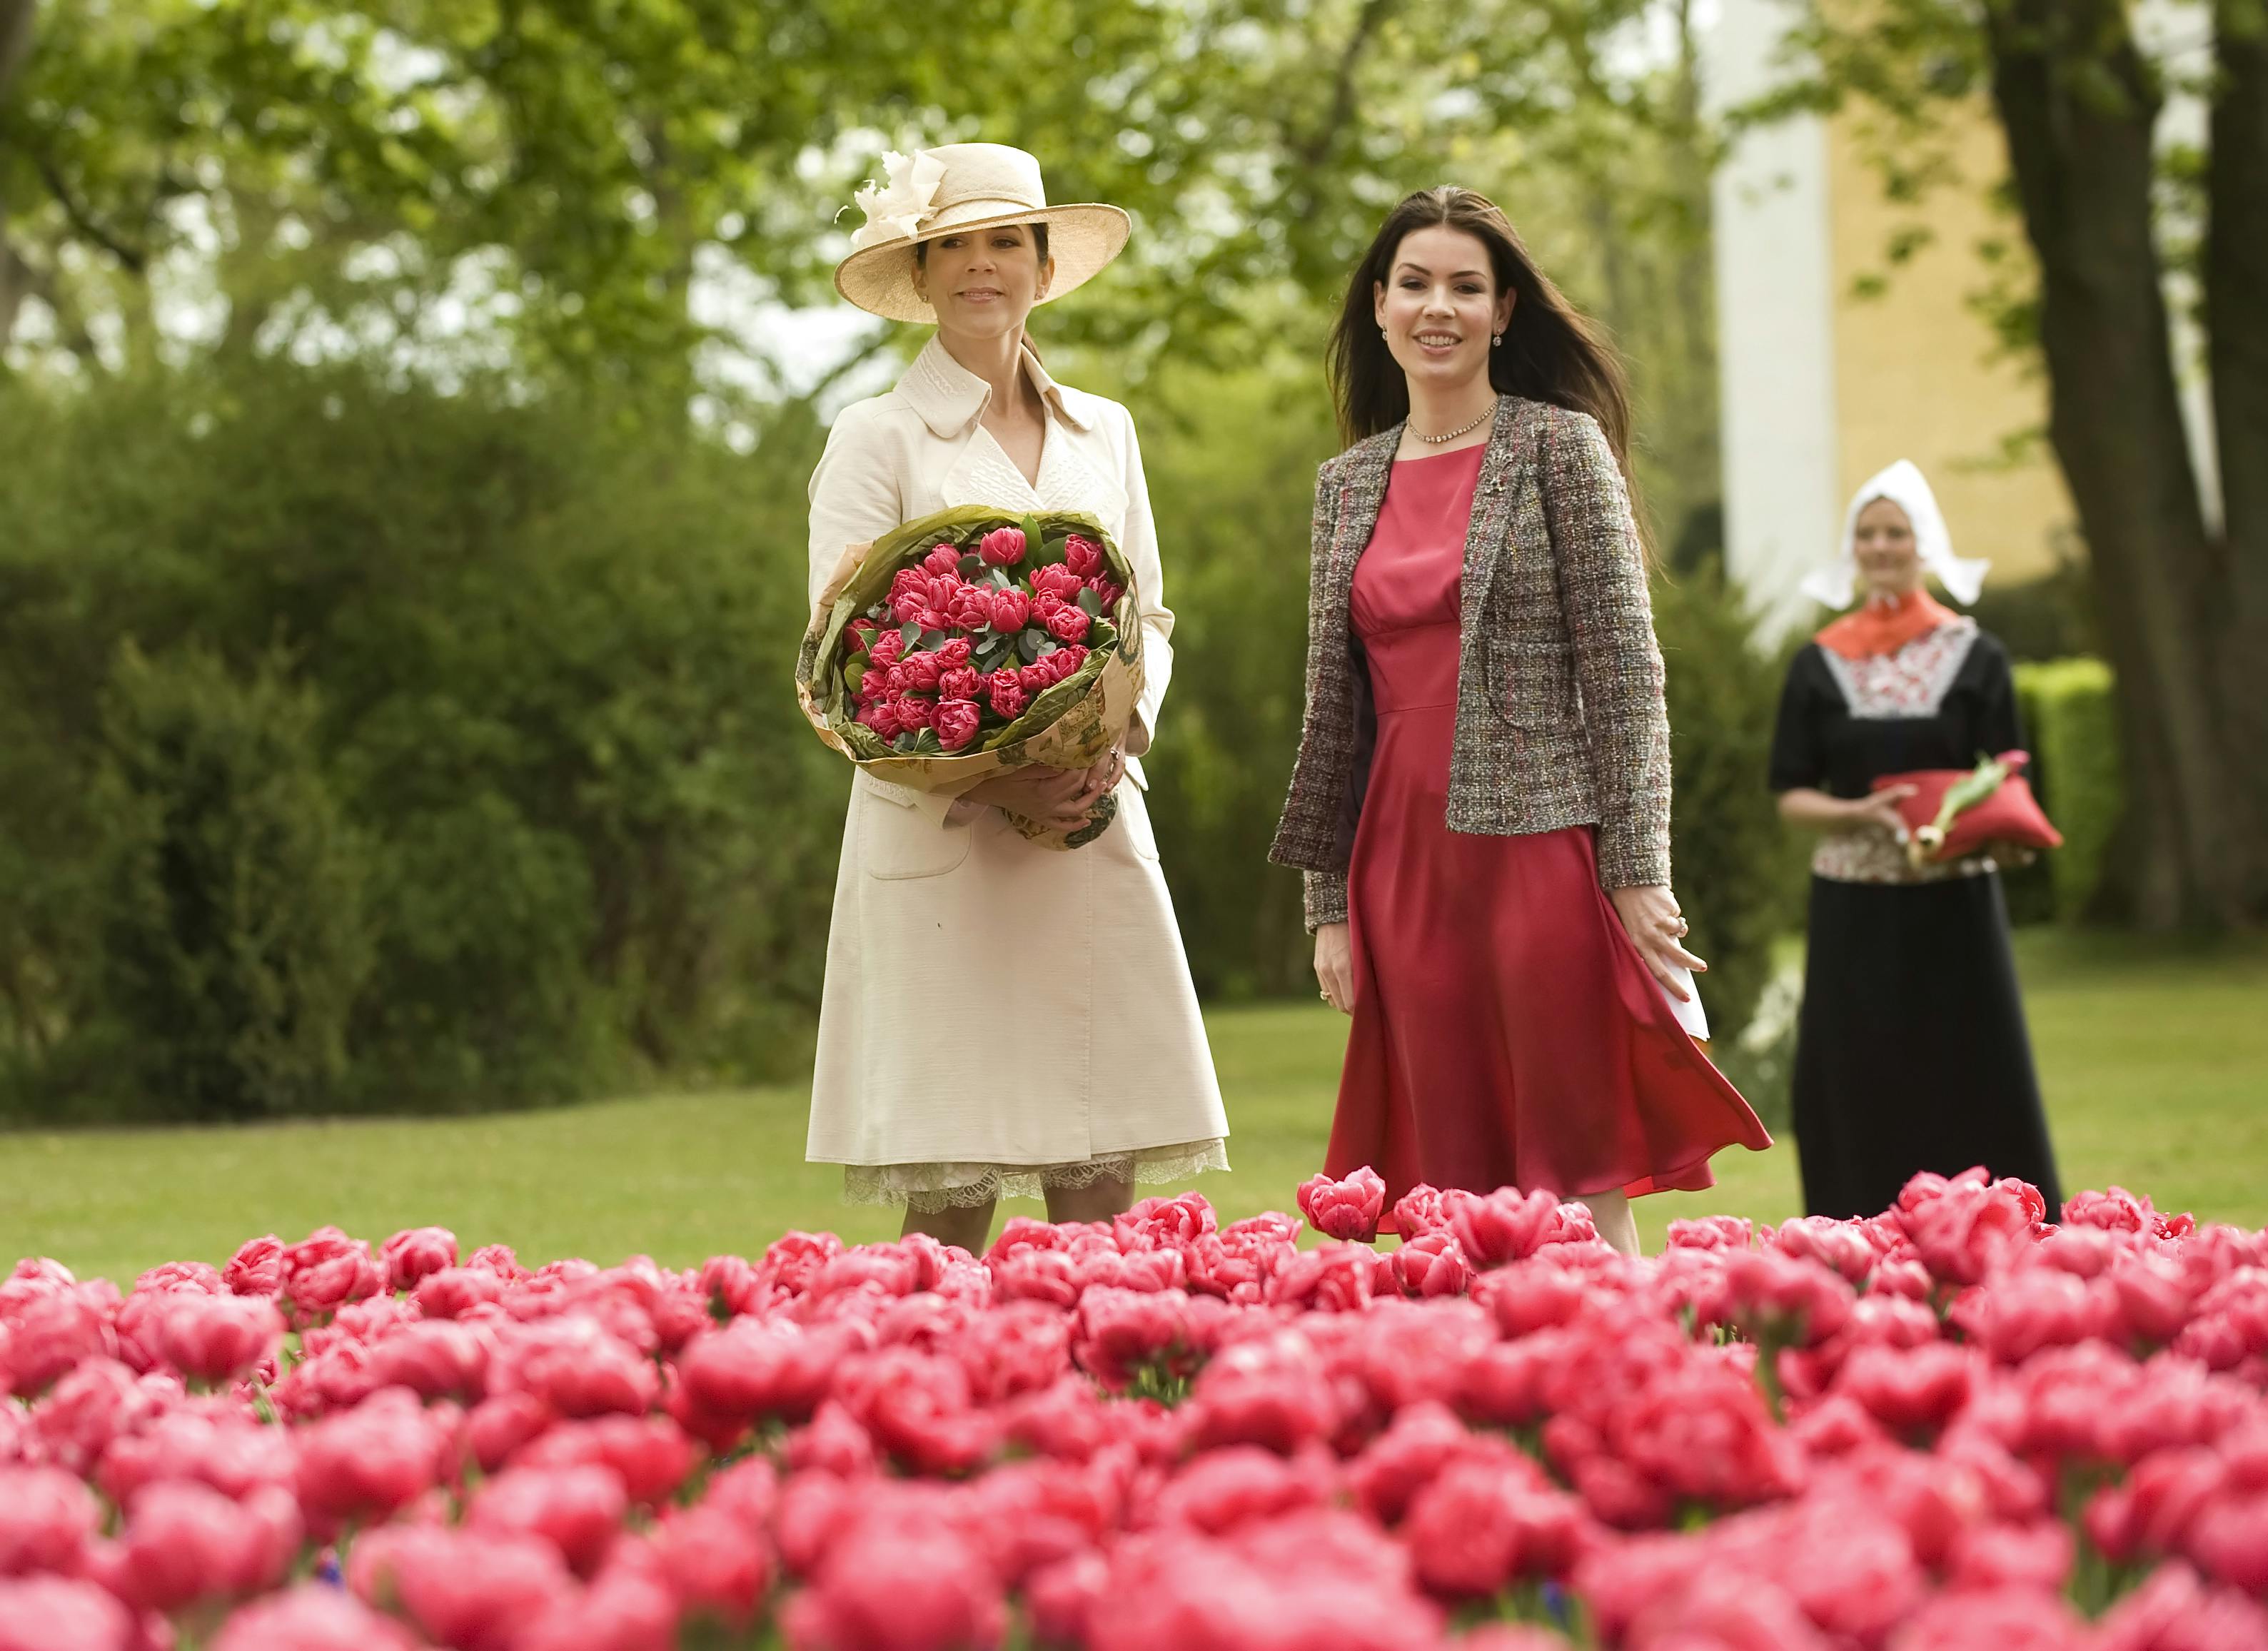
1057, 797
1878, 811
1335, 966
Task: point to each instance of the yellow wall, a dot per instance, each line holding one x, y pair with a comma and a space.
1915, 373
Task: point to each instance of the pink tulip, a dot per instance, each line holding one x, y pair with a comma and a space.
941, 1596
416, 1253
649, 1455
46, 1518
470, 1590
434, 1360
369, 1461
53, 1332
719, 1567
325, 1270
216, 1339
52, 1613
1504, 1226
257, 1269
311, 1618
186, 1543
578, 1510
1346, 1208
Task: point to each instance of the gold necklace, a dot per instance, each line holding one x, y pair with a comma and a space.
1463, 430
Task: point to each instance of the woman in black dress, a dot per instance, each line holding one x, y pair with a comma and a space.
1911, 1052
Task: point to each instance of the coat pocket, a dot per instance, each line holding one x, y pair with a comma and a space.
897, 839
1535, 684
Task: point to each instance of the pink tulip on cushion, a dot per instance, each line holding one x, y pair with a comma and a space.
51, 1613
311, 1618
1346, 1208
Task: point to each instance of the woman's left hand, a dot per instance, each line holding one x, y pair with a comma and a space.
1649, 915
1102, 778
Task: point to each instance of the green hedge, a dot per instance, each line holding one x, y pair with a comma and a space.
2070, 718
364, 746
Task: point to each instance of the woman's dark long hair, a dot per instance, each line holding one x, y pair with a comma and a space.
1552, 351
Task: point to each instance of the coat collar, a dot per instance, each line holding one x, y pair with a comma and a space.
1364, 468
950, 398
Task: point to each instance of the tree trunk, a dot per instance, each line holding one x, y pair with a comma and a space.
2236, 303
15, 40
15, 52
2078, 106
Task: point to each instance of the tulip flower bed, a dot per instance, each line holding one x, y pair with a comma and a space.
1951, 1426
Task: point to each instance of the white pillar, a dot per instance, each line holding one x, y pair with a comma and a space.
1775, 327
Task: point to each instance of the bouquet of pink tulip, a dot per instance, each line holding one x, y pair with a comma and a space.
969, 643
1950, 1426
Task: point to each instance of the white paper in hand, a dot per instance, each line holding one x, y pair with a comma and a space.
1689, 1014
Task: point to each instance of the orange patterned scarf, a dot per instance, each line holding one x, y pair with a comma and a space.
1884, 624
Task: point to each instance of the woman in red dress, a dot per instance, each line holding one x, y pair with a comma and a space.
1481, 802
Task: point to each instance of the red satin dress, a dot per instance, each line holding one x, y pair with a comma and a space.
1506, 1032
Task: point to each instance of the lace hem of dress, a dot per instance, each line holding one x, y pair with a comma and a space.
929, 1188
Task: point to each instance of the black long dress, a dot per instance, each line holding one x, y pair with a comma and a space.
1912, 1051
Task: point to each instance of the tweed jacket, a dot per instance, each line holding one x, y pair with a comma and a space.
1559, 718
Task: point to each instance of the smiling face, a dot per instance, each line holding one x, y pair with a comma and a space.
1890, 560
983, 284
1440, 306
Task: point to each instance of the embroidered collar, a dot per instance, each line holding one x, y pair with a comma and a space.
950, 398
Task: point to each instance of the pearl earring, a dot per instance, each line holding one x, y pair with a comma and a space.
1381, 332
1497, 339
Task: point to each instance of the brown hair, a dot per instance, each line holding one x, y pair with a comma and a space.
1552, 351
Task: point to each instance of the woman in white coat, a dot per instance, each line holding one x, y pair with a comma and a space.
999, 1018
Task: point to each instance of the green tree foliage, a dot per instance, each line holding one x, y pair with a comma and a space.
548, 656
231, 935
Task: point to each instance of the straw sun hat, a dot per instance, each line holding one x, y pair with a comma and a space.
934, 192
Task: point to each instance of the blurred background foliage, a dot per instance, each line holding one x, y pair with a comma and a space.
408, 407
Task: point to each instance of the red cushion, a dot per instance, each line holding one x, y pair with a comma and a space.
2010, 814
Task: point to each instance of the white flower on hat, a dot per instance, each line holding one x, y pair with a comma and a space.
899, 211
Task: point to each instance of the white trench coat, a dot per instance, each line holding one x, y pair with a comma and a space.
992, 1007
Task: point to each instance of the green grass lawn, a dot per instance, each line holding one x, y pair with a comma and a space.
2154, 1059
